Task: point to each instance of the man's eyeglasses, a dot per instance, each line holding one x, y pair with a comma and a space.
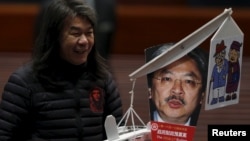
185, 83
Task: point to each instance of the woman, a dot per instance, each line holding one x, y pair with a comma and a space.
49, 97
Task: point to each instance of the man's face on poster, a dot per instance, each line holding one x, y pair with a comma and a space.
176, 90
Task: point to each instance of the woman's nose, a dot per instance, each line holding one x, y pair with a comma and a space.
82, 39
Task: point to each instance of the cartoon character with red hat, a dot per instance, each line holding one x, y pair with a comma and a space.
233, 71
219, 74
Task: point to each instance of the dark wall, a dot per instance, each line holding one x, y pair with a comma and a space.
138, 26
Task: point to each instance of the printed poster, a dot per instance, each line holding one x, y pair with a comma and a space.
165, 105
225, 62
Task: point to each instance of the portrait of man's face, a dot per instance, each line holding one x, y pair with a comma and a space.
176, 90
96, 100
96, 95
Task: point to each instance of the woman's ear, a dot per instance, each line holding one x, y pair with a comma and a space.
149, 93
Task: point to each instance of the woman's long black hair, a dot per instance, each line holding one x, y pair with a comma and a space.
46, 55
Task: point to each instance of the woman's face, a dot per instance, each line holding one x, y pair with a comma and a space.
77, 40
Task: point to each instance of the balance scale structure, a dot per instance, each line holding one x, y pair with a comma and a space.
114, 131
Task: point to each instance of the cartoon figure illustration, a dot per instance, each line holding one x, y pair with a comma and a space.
219, 74
96, 100
233, 71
